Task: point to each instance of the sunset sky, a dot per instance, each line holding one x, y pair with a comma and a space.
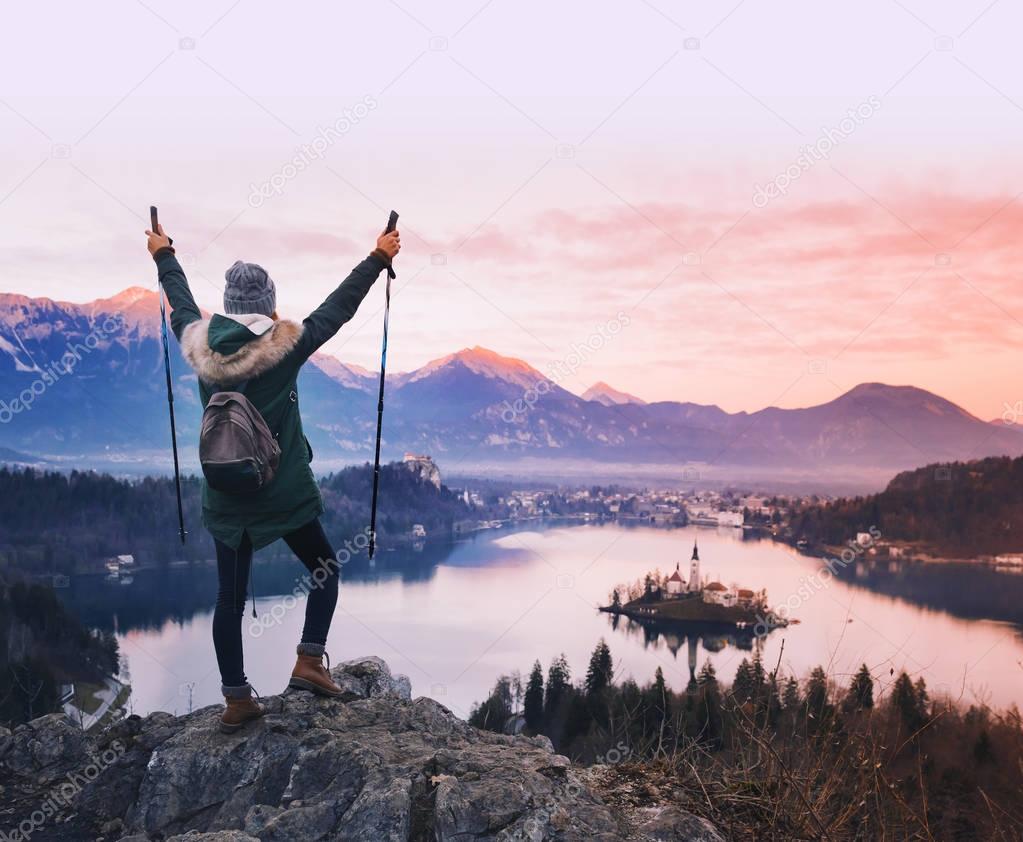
556, 165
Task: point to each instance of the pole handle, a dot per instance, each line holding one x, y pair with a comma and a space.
392, 223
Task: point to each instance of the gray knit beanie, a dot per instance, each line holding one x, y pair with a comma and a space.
249, 290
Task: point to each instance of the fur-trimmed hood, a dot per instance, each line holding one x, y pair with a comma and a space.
224, 350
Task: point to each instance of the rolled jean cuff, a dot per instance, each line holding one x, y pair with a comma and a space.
314, 649
242, 691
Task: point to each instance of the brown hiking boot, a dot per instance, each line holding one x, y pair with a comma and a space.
310, 674
239, 709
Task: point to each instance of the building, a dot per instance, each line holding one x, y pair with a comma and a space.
717, 594
676, 584
418, 530
745, 597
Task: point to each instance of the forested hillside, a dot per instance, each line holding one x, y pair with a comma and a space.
64, 523
956, 509
41, 647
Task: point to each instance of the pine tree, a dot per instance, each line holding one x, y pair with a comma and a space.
906, 702
600, 672
559, 679
657, 703
709, 721
494, 713
983, 750
534, 699
817, 693
922, 699
861, 691
790, 698
659, 686
758, 676
578, 718
771, 704
744, 684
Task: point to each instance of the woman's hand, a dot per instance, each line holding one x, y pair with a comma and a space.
389, 244
157, 241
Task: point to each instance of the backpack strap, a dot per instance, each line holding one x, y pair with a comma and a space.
240, 387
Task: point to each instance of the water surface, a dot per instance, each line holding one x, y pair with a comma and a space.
454, 617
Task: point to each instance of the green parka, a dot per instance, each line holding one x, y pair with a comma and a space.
226, 350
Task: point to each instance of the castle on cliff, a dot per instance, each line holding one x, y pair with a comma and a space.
423, 466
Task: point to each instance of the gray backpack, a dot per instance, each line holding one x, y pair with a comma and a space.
237, 451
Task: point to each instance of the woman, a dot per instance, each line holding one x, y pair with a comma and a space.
250, 345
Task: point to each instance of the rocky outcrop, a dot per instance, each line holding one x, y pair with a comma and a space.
374, 765
423, 467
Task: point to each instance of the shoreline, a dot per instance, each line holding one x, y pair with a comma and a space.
702, 613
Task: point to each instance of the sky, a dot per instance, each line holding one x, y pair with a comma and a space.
739, 203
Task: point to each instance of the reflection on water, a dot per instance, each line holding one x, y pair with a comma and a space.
690, 636
973, 591
176, 594
454, 617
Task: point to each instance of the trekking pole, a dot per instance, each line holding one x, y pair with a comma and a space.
170, 388
391, 224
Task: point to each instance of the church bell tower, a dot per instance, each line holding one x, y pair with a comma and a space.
694, 569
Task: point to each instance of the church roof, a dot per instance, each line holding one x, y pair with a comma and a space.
675, 577
696, 552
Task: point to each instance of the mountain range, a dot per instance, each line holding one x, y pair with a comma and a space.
471, 407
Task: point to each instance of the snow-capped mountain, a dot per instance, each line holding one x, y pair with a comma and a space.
602, 393
85, 381
348, 375
482, 362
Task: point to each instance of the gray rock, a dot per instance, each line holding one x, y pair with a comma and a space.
657, 823
373, 677
373, 765
219, 836
41, 746
382, 812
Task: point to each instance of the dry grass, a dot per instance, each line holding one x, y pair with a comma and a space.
860, 778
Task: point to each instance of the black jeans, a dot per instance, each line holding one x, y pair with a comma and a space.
313, 549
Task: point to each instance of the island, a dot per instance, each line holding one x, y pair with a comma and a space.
676, 601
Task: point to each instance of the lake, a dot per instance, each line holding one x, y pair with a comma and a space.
454, 617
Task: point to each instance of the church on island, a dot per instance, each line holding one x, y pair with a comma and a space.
675, 600
714, 592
